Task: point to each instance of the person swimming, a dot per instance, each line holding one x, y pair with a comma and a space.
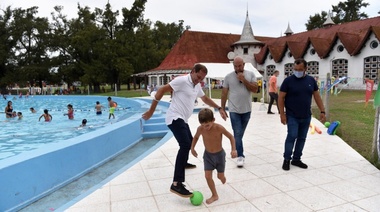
32, 110
19, 114
84, 122
46, 115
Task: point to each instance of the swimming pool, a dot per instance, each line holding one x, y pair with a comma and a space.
28, 133
33, 174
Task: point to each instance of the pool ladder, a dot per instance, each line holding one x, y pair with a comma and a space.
154, 127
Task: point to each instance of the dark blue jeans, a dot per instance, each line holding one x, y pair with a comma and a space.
297, 132
239, 122
182, 134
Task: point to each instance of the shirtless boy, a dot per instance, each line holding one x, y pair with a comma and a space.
46, 116
214, 156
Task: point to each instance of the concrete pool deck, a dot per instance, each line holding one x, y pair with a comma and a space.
338, 178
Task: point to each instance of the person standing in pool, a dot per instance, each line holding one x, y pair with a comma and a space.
9, 110
46, 115
112, 106
70, 112
98, 108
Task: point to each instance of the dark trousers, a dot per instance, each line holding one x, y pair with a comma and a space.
182, 134
273, 97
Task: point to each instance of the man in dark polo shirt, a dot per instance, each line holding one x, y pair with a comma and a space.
294, 103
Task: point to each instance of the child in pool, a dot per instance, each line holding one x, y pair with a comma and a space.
19, 114
84, 122
32, 110
46, 115
70, 112
98, 108
112, 105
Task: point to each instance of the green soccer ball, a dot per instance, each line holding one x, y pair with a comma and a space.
327, 124
197, 198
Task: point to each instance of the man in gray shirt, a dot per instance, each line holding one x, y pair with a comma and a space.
238, 86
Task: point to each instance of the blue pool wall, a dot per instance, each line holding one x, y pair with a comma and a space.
30, 176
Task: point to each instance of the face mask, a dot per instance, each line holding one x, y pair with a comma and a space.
298, 74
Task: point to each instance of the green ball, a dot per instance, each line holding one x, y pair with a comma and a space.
197, 198
327, 124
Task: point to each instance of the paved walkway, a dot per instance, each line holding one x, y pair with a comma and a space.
338, 178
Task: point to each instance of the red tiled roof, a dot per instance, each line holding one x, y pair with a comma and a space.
194, 47
352, 35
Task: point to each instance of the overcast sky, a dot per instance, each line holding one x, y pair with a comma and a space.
268, 18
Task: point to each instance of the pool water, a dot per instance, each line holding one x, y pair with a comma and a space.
28, 133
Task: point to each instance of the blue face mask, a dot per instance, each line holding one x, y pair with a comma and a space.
298, 74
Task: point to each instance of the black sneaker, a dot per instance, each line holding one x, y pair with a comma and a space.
286, 165
180, 190
270, 112
299, 164
190, 166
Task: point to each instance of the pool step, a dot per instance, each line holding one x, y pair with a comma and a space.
155, 134
154, 127
156, 119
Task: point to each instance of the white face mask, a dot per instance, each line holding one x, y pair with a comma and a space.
298, 74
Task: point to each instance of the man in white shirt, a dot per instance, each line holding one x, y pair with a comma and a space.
186, 89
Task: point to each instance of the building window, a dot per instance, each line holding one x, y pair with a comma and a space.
245, 50
374, 44
340, 48
371, 68
339, 68
313, 68
270, 70
270, 57
312, 51
288, 69
290, 54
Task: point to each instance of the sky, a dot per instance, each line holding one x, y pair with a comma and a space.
268, 18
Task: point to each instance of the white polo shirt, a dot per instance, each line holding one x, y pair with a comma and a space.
183, 98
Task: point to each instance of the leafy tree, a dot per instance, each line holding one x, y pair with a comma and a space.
93, 48
316, 21
31, 34
345, 12
349, 11
7, 61
87, 41
62, 60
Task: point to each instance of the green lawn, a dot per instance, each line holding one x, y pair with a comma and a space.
357, 121
348, 107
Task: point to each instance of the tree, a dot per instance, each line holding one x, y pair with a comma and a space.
7, 62
63, 60
93, 48
31, 35
316, 21
349, 11
345, 12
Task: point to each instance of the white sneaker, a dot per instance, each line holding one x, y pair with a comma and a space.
240, 161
